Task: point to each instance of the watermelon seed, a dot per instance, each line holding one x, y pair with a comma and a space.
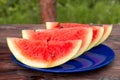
61, 27
52, 55
48, 39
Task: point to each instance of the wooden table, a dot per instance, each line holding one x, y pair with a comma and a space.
11, 71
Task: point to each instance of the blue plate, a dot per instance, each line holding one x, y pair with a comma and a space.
93, 59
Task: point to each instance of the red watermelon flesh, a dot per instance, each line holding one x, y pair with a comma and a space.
41, 53
100, 33
68, 25
85, 34
97, 30
57, 25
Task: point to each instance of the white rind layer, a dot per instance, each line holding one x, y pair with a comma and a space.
99, 36
86, 45
105, 35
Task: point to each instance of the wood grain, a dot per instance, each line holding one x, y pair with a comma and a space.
11, 71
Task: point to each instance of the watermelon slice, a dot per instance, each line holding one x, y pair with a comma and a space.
57, 25
97, 35
107, 31
97, 31
42, 53
85, 34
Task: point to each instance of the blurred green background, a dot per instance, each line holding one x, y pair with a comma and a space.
81, 11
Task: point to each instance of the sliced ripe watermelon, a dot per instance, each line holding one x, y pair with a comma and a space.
97, 35
41, 53
57, 25
85, 34
107, 31
97, 30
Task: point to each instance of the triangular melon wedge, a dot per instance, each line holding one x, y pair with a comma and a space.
42, 53
97, 30
97, 35
107, 31
57, 25
85, 34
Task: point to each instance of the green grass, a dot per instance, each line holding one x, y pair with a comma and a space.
81, 11
19, 12
89, 11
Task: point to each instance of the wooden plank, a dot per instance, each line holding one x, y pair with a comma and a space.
113, 42
92, 75
16, 72
13, 77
